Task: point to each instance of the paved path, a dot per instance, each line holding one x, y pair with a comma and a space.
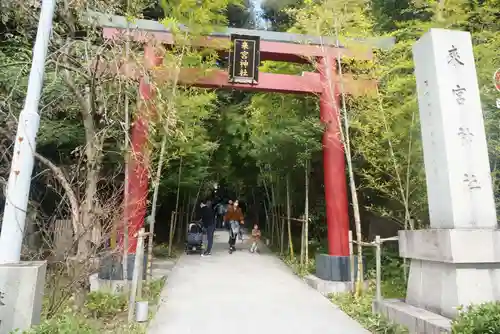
243, 293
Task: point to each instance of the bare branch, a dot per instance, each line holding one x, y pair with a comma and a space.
59, 175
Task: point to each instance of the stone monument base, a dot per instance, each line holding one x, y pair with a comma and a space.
329, 287
106, 285
111, 267
21, 294
415, 319
161, 268
451, 268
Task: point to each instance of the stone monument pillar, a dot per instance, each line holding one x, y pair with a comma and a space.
457, 261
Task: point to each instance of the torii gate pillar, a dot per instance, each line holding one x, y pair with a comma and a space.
335, 265
337, 214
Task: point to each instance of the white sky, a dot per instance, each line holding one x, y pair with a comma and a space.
261, 24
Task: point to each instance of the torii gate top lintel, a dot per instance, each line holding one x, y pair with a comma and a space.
277, 46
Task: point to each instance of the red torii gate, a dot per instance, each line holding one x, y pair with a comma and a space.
273, 46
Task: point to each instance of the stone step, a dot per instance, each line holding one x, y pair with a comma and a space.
416, 320
163, 264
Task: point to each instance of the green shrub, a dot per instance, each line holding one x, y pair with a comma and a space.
105, 304
64, 324
478, 319
152, 290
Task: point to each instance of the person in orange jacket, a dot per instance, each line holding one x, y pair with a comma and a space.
233, 218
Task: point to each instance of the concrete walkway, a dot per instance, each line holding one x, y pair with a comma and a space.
243, 293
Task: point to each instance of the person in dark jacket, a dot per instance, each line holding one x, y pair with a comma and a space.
207, 219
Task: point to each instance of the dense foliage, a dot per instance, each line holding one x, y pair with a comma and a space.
476, 319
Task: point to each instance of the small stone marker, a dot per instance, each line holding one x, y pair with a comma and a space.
21, 294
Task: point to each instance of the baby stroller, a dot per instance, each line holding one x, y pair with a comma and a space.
194, 241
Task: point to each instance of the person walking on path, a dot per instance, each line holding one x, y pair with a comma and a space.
228, 207
207, 219
233, 218
220, 210
255, 239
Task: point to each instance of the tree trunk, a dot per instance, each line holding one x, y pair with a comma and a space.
183, 221
182, 232
126, 193
173, 221
282, 236
196, 201
302, 245
281, 222
153, 208
268, 227
126, 190
256, 212
288, 217
276, 216
271, 217
92, 153
92, 165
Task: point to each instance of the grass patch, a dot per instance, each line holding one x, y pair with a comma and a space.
160, 251
294, 264
360, 309
102, 313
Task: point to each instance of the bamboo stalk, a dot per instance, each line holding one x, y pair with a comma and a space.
302, 246
153, 207
173, 218
306, 213
126, 199
378, 260
351, 261
288, 213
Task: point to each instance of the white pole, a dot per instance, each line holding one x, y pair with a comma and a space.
18, 188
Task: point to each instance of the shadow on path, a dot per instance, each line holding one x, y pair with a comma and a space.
243, 293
